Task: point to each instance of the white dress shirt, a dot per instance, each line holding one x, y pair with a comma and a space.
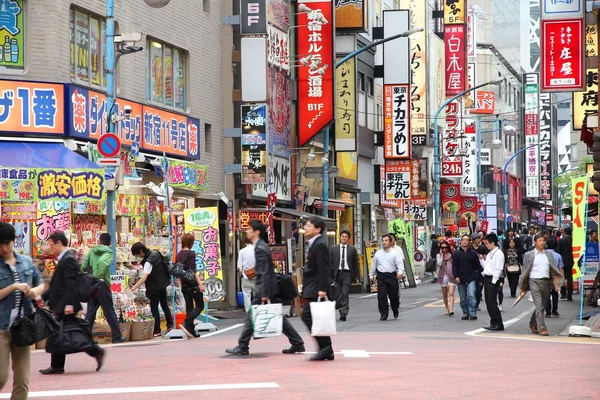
387, 261
344, 261
246, 259
541, 266
493, 265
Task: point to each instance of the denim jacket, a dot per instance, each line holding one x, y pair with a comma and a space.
28, 274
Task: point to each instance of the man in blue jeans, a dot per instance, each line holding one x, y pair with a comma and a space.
465, 266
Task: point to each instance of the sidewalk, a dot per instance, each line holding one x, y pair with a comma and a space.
570, 309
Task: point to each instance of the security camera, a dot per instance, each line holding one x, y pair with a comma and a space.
223, 198
127, 110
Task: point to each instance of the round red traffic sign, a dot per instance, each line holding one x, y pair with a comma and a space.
109, 145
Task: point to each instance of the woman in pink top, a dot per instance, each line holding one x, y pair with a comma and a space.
445, 277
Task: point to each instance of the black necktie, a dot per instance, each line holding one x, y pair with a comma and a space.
343, 257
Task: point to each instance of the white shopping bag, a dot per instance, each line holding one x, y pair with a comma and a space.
323, 318
267, 320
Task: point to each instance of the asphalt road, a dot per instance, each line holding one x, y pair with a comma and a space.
421, 355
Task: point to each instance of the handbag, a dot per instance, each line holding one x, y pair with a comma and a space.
430, 266
323, 318
179, 270
267, 319
250, 273
27, 330
74, 336
287, 288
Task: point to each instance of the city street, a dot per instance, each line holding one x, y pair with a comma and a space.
422, 355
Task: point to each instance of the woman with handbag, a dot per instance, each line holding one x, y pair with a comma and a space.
192, 293
514, 262
19, 282
446, 278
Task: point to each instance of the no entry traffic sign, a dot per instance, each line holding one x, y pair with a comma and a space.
109, 145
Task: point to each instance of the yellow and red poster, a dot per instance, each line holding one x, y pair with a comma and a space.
580, 196
51, 216
204, 223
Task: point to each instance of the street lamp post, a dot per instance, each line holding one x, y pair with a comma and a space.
436, 151
111, 221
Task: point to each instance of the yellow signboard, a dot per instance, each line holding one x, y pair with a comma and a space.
579, 200
345, 106
591, 40
586, 102
351, 14
347, 163
454, 12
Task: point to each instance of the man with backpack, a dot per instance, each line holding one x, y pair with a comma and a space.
97, 262
156, 278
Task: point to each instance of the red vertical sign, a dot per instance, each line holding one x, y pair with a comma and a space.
456, 59
563, 55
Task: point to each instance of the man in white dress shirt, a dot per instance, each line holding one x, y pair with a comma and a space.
389, 267
246, 263
493, 269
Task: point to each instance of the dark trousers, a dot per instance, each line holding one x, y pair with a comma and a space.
194, 304
479, 291
323, 341
491, 301
344, 279
568, 291
58, 360
387, 286
104, 299
513, 283
160, 297
248, 330
552, 303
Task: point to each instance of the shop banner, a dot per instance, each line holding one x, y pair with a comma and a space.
397, 180
586, 103
545, 147
279, 254
128, 163
418, 185
31, 107
563, 59
452, 166
485, 102
351, 15
468, 209
537, 216
471, 33
454, 12
347, 163
152, 129
88, 207
396, 122
345, 105
579, 223
12, 34
188, 175
591, 263
131, 205
469, 179
532, 161
51, 216
591, 40
451, 199
415, 210
279, 111
19, 211
22, 238
456, 59
254, 144
278, 48
281, 180
315, 91
470, 98
87, 229
383, 201
247, 215
204, 223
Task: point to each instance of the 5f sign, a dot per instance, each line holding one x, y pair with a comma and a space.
254, 17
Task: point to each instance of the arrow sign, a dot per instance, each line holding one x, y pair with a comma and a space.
109, 145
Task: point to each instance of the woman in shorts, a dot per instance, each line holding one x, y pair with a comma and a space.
445, 277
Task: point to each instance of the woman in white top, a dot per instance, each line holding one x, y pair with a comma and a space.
445, 277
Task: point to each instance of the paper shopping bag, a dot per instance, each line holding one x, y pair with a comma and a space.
267, 320
323, 318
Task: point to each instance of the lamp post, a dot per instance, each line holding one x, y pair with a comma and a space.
436, 150
111, 221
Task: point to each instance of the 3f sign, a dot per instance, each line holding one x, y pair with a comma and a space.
579, 186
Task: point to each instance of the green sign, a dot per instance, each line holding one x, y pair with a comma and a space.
188, 175
12, 34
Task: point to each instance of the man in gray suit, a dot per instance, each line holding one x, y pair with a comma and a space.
344, 268
266, 290
539, 275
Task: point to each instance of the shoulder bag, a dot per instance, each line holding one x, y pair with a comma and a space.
27, 330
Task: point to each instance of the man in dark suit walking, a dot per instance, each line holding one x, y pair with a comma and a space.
316, 280
63, 299
565, 249
266, 290
344, 270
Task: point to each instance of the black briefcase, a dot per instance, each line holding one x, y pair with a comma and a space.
287, 288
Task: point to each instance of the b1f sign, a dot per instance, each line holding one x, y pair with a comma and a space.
254, 17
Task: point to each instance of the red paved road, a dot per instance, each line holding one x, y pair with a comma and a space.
442, 366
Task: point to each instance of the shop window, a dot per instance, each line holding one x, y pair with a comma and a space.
370, 86
166, 75
208, 138
361, 81
12, 36
88, 49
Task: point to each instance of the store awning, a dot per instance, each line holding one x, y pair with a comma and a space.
41, 155
302, 214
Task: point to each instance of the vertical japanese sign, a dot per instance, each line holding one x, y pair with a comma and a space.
471, 34
383, 200
579, 204
254, 144
396, 123
586, 103
532, 162
204, 224
545, 147
452, 166
591, 40
397, 180
315, 86
454, 12
563, 52
470, 98
278, 48
51, 216
418, 185
468, 185
456, 68
345, 105
419, 125
12, 34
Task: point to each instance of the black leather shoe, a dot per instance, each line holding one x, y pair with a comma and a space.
473, 317
294, 349
465, 317
555, 313
52, 371
342, 318
325, 354
396, 313
100, 359
548, 315
120, 340
494, 328
383, 318
236, 351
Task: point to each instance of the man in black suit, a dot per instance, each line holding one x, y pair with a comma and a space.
344, 270
565, 249
316, 280
266, 290
63, 299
